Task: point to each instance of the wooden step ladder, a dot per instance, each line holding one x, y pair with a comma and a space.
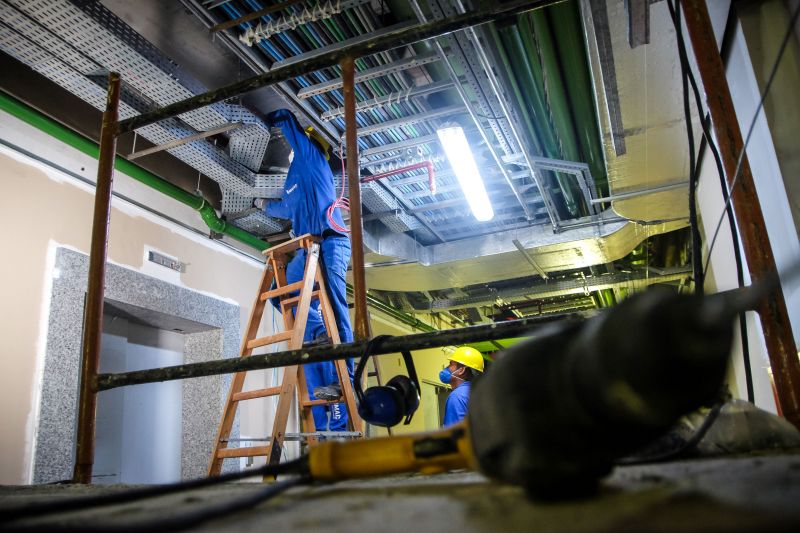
311, 287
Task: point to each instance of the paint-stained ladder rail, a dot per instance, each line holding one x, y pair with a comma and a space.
274, 285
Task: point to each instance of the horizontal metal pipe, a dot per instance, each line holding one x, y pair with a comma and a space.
317, 354
641, 192
398, 39
183, 140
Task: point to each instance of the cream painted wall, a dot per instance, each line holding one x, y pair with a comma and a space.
44, 207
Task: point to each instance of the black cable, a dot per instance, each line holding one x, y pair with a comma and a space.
171, 523
709, 140
767, 86
298, 466
697, 250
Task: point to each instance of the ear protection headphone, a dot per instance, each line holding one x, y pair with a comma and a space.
386, 405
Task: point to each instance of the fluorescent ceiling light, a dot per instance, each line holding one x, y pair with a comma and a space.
463, 164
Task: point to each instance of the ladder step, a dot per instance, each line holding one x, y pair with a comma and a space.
290, 302
280, 291
246, 451
312, 403
257, 393
272, 339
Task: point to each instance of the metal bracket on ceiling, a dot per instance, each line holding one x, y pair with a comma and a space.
458, 52
411, 119
598, 18
364, 75
580, 171
249, 58
638, 22
551, 288
391, 98
178, 142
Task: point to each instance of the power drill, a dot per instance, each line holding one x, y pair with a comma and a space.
554, 412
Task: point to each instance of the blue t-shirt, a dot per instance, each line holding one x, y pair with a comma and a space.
455, 409
309, 190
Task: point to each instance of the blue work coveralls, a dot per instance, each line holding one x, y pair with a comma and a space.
455, 408
308, 193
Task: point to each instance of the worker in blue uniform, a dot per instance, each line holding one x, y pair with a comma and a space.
465, 364
308, 194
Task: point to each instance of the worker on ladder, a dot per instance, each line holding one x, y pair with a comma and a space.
308, 201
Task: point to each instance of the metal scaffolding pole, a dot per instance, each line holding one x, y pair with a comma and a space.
396, 39
757, 248
316, 354
93, 315
362, 328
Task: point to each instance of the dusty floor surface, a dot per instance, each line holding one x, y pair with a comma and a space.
753, 493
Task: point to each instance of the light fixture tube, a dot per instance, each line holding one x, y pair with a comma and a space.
463, 164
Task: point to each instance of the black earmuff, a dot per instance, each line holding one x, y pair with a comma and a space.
387, 405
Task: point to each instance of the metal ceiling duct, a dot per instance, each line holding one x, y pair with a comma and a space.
656, 124
418, 240
633, 281
400, 263
75, 43
639, 111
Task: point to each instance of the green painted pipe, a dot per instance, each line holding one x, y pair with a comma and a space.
38, 120
395, 313
536, 23
604, 298
533, 110
531, 85
566, 22
530, 95
33, 117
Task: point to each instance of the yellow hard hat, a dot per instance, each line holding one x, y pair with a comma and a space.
468, 356
325, 145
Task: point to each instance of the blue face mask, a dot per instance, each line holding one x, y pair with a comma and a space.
445, 375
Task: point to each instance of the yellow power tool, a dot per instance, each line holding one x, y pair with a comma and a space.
428, 453
554, 412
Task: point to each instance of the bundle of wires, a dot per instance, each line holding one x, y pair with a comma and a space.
19, 518
341, 202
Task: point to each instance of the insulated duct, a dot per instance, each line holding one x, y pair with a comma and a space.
75, 43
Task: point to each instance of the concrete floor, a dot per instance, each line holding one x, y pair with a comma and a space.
748, 493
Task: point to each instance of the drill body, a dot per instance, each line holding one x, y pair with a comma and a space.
554, 412
557, 410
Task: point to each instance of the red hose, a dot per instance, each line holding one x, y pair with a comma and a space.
416, 166
343, 203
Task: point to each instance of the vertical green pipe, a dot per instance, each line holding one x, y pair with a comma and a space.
528, 96
566, 22
535, 23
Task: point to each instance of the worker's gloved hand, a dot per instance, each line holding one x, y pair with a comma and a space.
260, 203
274, 118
